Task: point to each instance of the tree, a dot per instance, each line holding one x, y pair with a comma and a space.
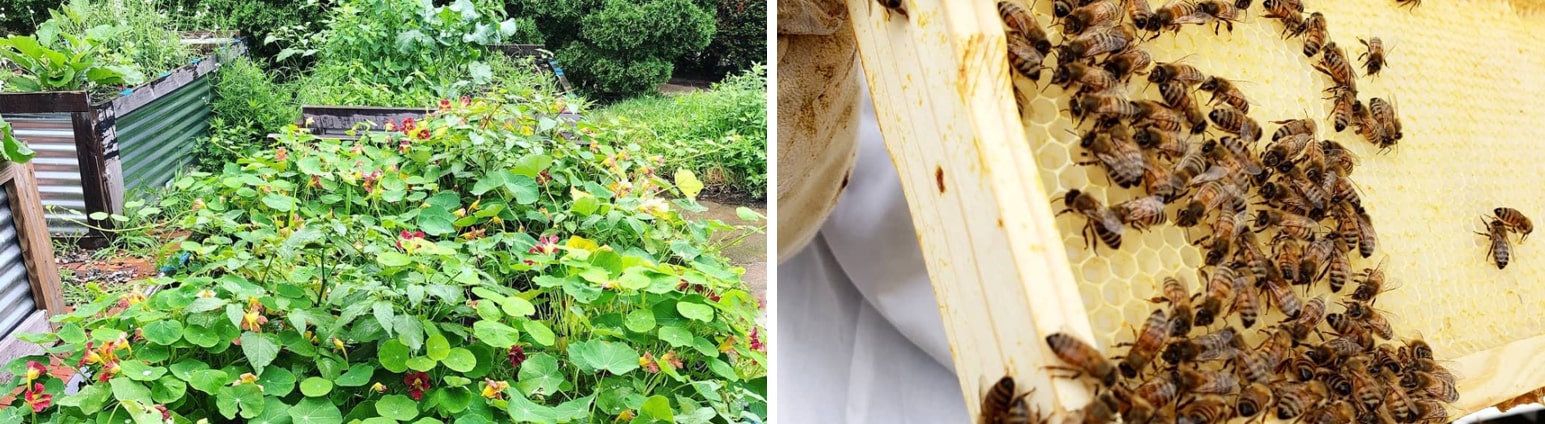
620, 48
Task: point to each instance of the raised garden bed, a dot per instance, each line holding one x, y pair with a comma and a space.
92, 154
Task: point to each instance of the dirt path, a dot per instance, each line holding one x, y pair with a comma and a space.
751, 253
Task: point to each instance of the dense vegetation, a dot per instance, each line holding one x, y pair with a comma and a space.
492, 262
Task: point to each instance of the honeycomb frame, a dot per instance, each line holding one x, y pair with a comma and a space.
980, 177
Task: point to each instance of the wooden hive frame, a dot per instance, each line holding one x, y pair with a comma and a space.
998, 261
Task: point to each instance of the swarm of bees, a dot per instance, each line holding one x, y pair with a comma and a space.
1284, 219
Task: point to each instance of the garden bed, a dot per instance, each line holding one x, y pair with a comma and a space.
91, 154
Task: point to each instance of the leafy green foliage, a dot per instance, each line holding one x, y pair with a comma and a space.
620, 48
134, 34
11, 149
248, 103
270, 26
316, 293
740, 42
721, 133
23, 16
67, 64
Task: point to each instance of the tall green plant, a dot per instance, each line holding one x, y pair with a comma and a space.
129, 33
620, 48
69, 64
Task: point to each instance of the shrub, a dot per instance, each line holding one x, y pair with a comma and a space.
739, 43
24, 16
268, 25
720, 133
620, 48
492, 262
248, 104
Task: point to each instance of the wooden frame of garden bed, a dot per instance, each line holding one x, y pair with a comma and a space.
37, 252
944, 100
96, 133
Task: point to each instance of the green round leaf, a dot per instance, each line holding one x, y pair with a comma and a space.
164, 332
140, 371
397, 407
421, 363
640, 321
460, 360
695, 311
393, 355
540, 374
437, 347
393, 259
676, 336
539, 332
358, 375
495, 334
602, 355
277, 381
316, 411
316, 387
168, 390
209, 381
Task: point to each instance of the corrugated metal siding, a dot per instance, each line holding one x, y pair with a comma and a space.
57, 167
156, 140
15, 290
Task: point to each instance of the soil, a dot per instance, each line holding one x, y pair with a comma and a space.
79, 267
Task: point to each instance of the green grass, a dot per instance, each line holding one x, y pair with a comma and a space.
720, 133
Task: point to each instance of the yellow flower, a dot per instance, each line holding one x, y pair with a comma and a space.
338, 344
655, 206
247, 378
460, 212
378, 387
494, 389
476, 203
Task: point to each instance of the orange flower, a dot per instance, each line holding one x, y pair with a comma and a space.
35, 369
38, 399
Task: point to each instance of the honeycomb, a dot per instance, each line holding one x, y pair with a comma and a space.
1471, 110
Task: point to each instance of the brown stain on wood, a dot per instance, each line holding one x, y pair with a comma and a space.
1000, 222
938, 176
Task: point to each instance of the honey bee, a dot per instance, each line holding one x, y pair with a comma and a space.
1308, 318
1371, 284
1141, 13
1019, 20
1284, 153
1191, 163
1225, 92
1501, 250
1515, 221
1292, 127
1302, 367
1100, 220
1334, 64
1338, 158
1237, 123
1003, 406
1217, 346
1283, 296
1129, 61
1061, 8
1210, 196
1209, 383
1338, 267
1175, 94
1370, 319
1224, 230
1085, 359
1341, 108
1178, 72
1155, 331
1165, 143
1289, 255
1314, 32
1339, 384
897, 6
1220, 285
1430, 385
1159, 391
1176, 13
1097, 41
1095, 14
1231, 153
1245, 302
1090, 78
1024, 58
1373, 59
1253, 399
1122, 159
1365, 389
1400, 404
1429, 410
1289, 12
1141, 212
1290, 200
1222, 12
1205, 409
1294, 225
1367, 239
1158, 181
1154, 113
1102, 107
1099, 411
1294, 399
1416, 349
1337, 412
1386, 130
1179, 300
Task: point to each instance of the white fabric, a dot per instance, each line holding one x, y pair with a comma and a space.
859, 334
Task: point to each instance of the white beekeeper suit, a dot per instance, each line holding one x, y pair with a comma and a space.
859, 335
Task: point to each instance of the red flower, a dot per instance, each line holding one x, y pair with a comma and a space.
756, 341
445, 104
649, 364
405, 236
545, 245
404, 145
38, 398
417, 383
466, 101
517, 356
423, 134
408, 124
544, 177
35, 370
165, 414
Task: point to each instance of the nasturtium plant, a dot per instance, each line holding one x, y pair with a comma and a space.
493, 262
